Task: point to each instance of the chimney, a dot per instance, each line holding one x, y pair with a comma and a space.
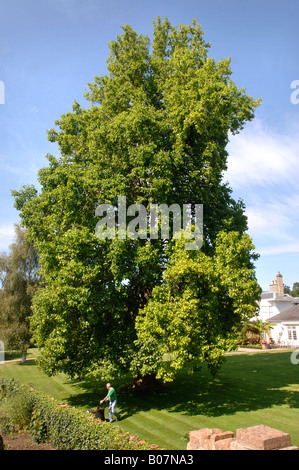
280, 285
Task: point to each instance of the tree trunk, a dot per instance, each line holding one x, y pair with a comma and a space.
24, 357
146, 382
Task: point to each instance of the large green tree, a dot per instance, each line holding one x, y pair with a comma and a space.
155, 132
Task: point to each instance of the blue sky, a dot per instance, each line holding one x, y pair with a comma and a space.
51, 49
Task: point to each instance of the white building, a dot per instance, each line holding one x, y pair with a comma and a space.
281, 309
286, 329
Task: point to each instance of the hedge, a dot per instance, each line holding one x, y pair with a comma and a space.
64, 427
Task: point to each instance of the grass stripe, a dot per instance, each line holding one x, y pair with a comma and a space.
251, 388
149, 430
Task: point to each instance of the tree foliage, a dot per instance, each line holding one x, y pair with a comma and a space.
295, 291
196, 313
20, 280
156, 132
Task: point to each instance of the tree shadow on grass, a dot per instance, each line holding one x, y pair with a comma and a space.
246, 382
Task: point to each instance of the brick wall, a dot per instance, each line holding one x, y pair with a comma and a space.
253, 438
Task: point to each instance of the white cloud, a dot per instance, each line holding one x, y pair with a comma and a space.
7, 230
7, 235
274, 225
280, 249
269, 220
260, 156
263, 168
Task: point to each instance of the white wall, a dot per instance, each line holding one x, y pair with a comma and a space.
280, 333
269, 309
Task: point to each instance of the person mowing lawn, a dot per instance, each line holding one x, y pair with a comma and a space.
111, 396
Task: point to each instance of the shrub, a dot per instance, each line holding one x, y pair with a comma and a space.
20, 410
6, 425
17, 404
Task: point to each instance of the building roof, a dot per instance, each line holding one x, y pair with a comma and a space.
268, 295
291, 314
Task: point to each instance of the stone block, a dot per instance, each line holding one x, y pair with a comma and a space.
195, 436
263, 438
193, 446
236, 445
224, 444
199, 437
220, 436
253, 438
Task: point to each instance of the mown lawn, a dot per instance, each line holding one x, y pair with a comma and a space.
251, 388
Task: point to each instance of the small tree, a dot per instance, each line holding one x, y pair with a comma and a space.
254, 330
20, 280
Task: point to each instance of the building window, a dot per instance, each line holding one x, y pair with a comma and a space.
292, 333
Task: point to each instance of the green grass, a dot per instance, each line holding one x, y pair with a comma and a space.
251, 388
